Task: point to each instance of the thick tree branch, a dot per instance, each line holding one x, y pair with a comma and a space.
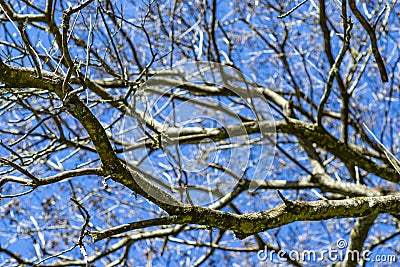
26, 77
248, 224
357, 238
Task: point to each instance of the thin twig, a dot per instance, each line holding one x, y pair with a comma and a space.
379, 16
30, 131
20, 169
392, 159
292, 10
334, 71
31, 50
18, 195
123, 72
371, 32
56, 255
85, 214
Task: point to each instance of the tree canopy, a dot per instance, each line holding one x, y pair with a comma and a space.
203, 132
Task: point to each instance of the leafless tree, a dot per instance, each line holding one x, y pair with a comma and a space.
198, 132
